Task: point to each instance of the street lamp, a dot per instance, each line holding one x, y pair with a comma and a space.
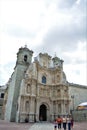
72, 101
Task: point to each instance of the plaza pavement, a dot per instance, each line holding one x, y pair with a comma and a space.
4, 125
50, 126
42, 126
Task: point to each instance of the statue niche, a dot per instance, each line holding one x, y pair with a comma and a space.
28, 88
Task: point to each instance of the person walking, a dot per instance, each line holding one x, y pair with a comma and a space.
72, 122
64, 120
59, 121
69, 122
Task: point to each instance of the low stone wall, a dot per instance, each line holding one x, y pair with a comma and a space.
80, 115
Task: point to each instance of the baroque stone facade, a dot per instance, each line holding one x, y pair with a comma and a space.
37, 90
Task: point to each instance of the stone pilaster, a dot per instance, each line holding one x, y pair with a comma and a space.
32, 110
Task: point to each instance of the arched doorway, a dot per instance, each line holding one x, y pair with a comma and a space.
43, 113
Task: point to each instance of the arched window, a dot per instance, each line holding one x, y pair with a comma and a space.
44, 79
25, 58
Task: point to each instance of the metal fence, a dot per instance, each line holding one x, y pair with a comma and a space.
79, 115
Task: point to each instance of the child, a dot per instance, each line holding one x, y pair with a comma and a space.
55, 124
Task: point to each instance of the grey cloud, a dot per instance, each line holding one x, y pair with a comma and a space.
66, 3
19, 31
83, 5
77, 72
62, 4
9, 65
69, 60
66, 37
80, 61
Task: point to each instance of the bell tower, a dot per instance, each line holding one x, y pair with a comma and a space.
57, 62
24, 59
24, 56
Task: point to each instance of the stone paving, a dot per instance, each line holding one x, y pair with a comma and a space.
42, 126
50, 126
4, 125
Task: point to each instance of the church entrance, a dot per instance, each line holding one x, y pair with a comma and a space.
43, 113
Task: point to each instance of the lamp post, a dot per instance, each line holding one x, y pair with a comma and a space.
72, 101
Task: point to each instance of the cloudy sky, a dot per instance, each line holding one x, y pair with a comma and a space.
53, 26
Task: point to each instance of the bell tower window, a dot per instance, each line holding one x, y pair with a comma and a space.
44, 79
2, 95
25, 58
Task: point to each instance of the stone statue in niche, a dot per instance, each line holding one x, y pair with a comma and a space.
28, 88
58, 78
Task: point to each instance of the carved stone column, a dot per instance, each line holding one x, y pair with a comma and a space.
37, 110
52, 111
56, 107
32, 110
62, 107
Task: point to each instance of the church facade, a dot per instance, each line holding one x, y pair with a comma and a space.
37, 90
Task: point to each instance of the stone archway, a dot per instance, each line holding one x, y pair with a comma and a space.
43, 113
